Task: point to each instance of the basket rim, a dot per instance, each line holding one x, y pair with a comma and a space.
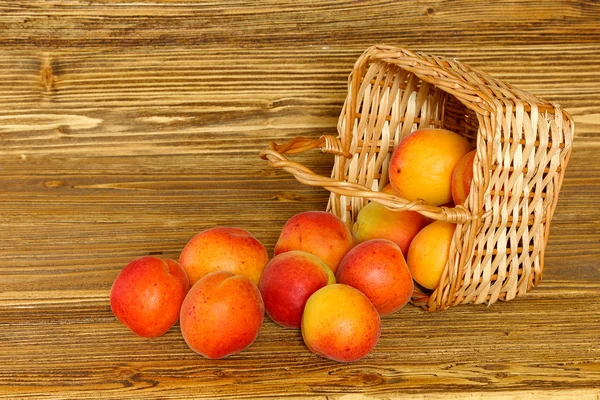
479, 92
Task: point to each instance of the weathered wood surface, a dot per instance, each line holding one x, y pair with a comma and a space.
127, 127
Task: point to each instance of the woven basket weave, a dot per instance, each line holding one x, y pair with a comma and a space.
523, 146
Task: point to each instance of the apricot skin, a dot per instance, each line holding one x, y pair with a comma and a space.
375, 221
428, 253
377, 268
340, 323
462, 176
147, 294
316, 232
221, 315
224, 248
421, 166
287, 282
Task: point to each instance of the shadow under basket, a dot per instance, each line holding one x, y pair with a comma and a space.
523, 145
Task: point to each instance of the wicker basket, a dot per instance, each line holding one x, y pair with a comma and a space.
523, 146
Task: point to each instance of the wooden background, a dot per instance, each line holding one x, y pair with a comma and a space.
127, 127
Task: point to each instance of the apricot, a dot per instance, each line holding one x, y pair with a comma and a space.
224, 249
421, 166
147, 294
221, 315
375, 221
388, 189
377, 268
462, 176
287, 282
340, 323
319, 233
428, 253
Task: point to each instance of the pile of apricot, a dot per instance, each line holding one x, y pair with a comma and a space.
332, 282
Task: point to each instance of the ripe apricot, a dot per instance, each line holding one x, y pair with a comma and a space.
428, 253
340, 323
316, 232
462, 176
421, 165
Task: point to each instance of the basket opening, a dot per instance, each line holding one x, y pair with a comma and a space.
458, 118
390, 104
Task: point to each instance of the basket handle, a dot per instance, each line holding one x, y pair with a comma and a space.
332, 145
328, 144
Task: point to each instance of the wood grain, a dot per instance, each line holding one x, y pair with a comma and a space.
127, 127
278, 24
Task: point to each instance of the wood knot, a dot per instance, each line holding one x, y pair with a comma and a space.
287, 197
47, 76
372, 379
62, 130
130, 377
53, 184
125, 372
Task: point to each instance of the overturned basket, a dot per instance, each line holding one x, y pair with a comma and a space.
523, 146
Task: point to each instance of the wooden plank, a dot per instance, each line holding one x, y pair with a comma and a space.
278, 24
466, 348
127, 127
